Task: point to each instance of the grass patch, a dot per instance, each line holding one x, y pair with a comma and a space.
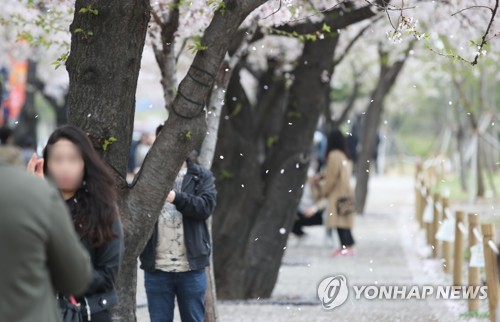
451, 185
475, 315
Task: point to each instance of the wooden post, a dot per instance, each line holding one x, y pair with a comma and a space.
418, 194
431, 173
435, 226
474, 277
458, 254
422, 203
491, 268
428, 226
418, 202
447, 268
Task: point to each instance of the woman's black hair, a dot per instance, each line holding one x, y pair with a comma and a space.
337, 141
96, 199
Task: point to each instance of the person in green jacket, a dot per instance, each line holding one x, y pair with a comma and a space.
39, 249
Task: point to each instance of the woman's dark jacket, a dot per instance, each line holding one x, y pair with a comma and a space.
106, 260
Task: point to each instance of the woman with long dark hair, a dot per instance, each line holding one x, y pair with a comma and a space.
334, 185
85, 183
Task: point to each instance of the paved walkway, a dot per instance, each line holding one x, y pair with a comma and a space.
390, 251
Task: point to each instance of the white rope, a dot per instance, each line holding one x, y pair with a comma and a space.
448, 213
477, 234
462, 229
493, 246
427, 164
439, 206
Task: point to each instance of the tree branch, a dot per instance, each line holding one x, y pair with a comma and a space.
472, 7
466, 103
484, 39
217, 96
156, 18
353, 41
186, 126
184, 42
165, 56
350, 103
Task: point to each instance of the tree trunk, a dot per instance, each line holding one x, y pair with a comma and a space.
460, 135
274, 187
387, 78
287, 164
480, 177
165, 54
60, 108
252, 221
103, 65
207, 153
103, 69
334, 124
127, 290
239, 166
475, 127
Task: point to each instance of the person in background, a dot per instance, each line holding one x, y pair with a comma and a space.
40, 251
320, 144
352, 145
84, 181
28, 148
309, 213
177, 253
335, 185
8, 151
131, 160
141, 149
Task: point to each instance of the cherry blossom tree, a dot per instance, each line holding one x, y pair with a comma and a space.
269, 81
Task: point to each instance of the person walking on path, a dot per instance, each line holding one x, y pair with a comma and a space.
39, 248
70, 161
177, 253
334, 185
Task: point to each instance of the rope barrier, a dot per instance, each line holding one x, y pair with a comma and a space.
478, 235
462, 229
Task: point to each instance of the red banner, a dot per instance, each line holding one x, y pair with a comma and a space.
17, 84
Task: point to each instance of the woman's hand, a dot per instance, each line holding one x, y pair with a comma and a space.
35, 166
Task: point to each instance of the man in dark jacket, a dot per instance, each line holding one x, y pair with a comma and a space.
40, 251
177, 253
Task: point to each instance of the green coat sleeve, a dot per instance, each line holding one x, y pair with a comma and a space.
68, 261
